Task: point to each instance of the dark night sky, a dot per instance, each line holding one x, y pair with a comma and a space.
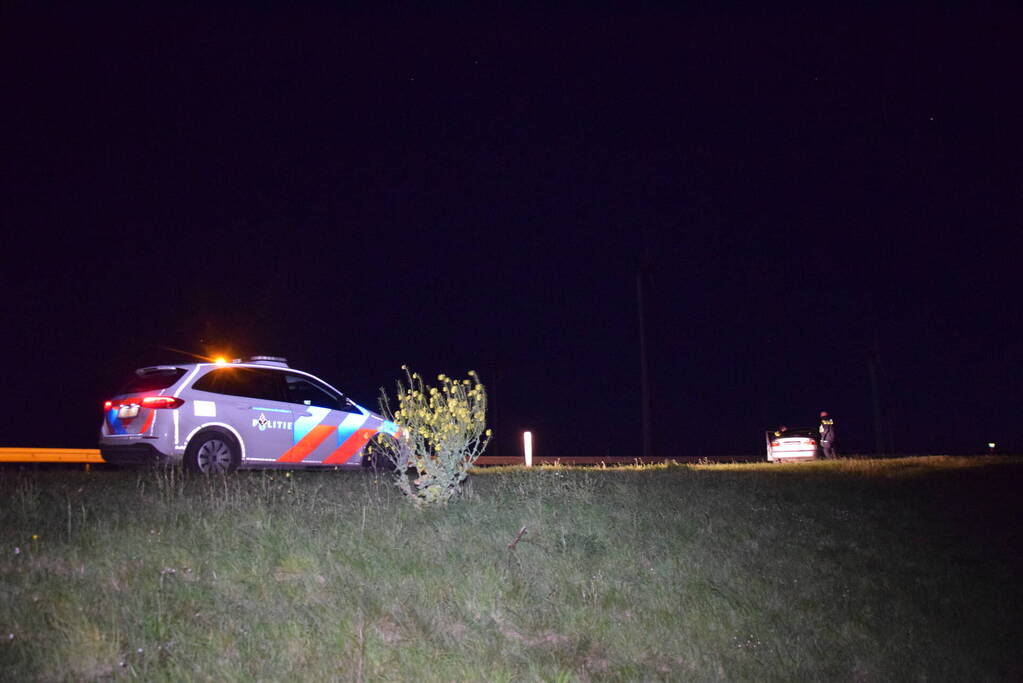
477, 190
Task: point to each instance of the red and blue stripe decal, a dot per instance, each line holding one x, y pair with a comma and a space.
309, 433
117, 426
354, 431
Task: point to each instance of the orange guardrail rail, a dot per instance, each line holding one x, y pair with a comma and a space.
91, 455
604, 460
84, 455
567, 460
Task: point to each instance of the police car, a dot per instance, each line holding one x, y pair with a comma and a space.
218, 417
788, 445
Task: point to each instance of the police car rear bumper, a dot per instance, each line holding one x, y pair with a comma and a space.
134, 454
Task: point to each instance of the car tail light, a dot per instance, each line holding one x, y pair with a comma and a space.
775, 443
161, 402
145, 402
811, 442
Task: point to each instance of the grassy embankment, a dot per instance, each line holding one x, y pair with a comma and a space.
848, 570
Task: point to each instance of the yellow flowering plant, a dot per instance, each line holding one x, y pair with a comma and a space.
441, 432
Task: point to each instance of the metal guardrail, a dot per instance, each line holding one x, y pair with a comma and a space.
601, 460
82, 455
91, 455
88, 456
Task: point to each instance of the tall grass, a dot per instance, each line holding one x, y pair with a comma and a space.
847, 570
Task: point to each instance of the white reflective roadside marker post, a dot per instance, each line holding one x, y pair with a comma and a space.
527, 447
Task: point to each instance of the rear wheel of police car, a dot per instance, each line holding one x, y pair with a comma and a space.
212, 453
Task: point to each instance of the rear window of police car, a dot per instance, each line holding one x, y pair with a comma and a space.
247, 382
152, 380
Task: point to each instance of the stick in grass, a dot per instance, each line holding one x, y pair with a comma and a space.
518, 537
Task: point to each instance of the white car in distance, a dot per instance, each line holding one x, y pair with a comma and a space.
791, 445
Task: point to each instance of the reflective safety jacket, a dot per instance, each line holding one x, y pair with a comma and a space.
827, 429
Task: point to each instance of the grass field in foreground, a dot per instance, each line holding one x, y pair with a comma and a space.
860, 570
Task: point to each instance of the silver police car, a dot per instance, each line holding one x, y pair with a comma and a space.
218, 417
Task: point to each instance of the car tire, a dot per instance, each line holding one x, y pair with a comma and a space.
375, 457
212, 453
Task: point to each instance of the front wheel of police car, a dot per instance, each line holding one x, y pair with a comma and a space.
375, 454
212, 453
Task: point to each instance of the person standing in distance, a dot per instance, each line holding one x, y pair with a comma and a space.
827, 430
